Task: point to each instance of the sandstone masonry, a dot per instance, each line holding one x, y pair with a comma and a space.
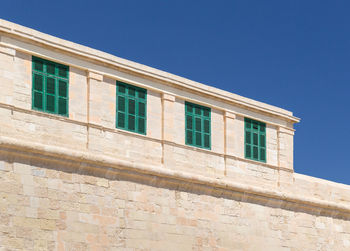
77, 182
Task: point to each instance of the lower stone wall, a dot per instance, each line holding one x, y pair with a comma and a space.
47, 205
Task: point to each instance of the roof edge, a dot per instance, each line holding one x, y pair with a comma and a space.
106, 58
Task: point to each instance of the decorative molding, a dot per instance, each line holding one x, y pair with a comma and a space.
220, 108
230, 115
35, 37
7, 50
95, 76
168, 97
285, 130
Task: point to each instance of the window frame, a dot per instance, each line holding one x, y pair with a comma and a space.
193, 130
44, 92
138, 100
260, 131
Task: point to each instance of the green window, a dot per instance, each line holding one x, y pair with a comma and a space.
131, 110
50, 86
255, 140
198, 132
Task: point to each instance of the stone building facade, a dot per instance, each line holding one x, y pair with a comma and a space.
100, 153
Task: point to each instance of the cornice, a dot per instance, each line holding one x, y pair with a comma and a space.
33, 36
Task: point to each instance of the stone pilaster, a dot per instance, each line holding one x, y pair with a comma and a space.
230, 133
93, 101
168, 111
168, 128
7, 68
285, 148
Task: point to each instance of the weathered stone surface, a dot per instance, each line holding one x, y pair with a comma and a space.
78, 183
89, 211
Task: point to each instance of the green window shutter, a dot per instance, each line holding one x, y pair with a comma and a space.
38, 82
38, 91
62, 106
50, 86
255, 140
38, 64
131, 108
63, 71
62, 88
197, 125
38, 100
50, 103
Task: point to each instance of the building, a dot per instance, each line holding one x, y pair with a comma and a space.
100, 153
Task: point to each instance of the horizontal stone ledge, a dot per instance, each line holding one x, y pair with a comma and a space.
94, 75
137, 135
85, 157
8, 51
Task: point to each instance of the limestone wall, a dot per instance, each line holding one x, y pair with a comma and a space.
61, 206
79, 183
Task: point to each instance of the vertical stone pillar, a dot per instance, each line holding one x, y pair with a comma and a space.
7, 68
168, 127
230, 133
229, 138
285, 148
168, 112
78, 93
234, 135
93, 82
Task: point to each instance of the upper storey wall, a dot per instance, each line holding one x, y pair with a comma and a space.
90, 125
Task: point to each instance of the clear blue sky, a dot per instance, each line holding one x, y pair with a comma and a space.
293, 54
